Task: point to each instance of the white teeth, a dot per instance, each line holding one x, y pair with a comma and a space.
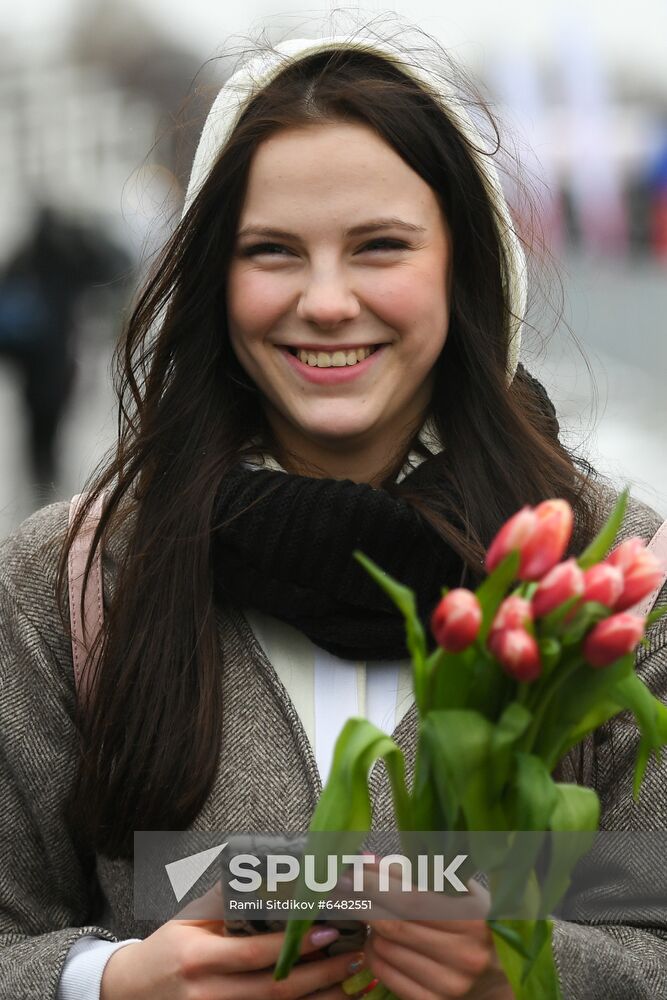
336, 359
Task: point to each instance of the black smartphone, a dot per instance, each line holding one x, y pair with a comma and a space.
352, 933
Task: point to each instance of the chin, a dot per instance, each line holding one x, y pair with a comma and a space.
339, 434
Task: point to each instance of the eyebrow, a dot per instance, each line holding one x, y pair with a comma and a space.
372, 226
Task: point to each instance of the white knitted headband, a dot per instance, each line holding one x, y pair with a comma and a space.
261, 69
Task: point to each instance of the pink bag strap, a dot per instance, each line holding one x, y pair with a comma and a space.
658, 546
84, 629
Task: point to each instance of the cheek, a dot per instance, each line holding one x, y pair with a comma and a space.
415, 302
254, 301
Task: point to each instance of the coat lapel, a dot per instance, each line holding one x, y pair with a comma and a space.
265, 746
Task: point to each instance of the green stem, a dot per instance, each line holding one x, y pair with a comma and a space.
359, 981
554, 682
431, 667
523, 694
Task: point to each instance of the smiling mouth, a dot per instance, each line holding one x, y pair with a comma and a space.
333, 359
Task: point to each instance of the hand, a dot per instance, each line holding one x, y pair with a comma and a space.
434, 959
430, 960
191, 959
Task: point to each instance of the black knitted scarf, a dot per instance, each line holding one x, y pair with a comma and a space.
285, 548
283, 544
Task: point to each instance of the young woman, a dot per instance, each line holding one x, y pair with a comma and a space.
324, 359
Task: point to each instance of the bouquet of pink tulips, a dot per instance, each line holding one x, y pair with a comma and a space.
540, 655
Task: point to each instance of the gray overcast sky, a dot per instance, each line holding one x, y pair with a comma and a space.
633, 35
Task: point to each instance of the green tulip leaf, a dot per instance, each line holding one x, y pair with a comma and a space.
596, 716
492, 591
404, 599
550, 654
651, 717
574, 820
425, 804
605, 538
531, 971
534, 793
345, 806
459, 741
587, 696
503, 930
588, 615
541, 937
655, 616
511, 726
552, 622
449, 678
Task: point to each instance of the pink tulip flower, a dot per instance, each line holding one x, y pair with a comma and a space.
540, 534
613, 638
517, 653
564, 581
625, 554
641, 572
514, 612
603, 583
456, 621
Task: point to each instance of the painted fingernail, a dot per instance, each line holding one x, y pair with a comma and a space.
357, 963
323, 935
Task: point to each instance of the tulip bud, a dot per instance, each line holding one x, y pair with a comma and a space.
625, 554
547, 545
603, 583
539, 534
564, 581
456, 621
613, 638
639, 578
517, 652
514, 612
513, 535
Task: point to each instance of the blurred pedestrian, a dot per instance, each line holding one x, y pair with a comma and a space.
41, 287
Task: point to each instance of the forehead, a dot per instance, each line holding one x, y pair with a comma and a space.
339, 168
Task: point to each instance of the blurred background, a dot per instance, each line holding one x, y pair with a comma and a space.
101, 103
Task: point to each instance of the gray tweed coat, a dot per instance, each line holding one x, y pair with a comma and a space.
51, 892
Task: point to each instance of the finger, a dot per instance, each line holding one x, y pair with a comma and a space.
399, 984
330, 972
254, 952
415, 904
303, 981
450, 969
473, 904
429, 933
470, 952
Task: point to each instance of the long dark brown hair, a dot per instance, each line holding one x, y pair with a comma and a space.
150, 735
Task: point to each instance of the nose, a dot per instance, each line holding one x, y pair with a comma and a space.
327, 299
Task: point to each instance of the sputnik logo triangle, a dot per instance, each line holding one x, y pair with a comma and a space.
186, 871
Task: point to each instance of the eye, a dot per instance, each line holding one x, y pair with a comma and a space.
265, 248
385, 244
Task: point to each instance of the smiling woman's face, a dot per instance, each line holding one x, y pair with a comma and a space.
341, 249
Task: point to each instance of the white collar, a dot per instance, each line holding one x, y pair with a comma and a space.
428, 437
